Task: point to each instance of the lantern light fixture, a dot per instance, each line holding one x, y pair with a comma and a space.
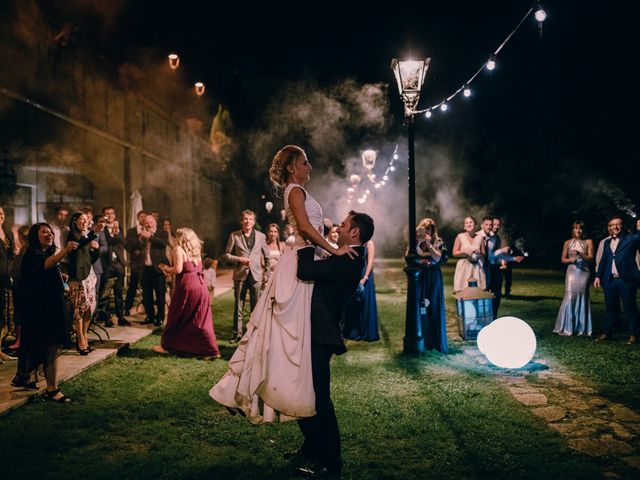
410, 78
174, 61
199, 86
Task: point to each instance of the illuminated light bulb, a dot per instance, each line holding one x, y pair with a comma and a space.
350, 189
268, 206
392, 168
507, 342
491, 63
428, 114
385, 178
395, 156
444, 107
540, 14
174, 61
199, 88
466, 92
377, 185
383, 183
361, 200
367, 192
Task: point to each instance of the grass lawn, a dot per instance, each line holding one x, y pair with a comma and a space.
142, 415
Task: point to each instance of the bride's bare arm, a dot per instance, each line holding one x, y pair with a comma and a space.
305, 229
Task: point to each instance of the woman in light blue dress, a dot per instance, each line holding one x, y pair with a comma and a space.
574, 316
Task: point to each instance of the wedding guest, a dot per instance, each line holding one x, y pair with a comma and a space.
153, 243
618, 274
136, 261
433, 253
19, 303
18, 291
209, 272
361, 311
189, 329
103, 249
60, 227
332, 236
275, 247
171, 243
247, 251
81, 277
574, 316
44, 327
496, 256
113, 265
7, 252
469, 248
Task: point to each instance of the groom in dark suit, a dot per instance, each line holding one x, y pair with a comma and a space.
335, 280
618, 274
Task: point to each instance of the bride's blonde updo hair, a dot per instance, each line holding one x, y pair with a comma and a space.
278, 172
190, 243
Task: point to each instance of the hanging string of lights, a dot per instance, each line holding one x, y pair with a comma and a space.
369, 161
539, 14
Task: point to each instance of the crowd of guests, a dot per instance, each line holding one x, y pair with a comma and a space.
59, 278
254, 257
483, 258
616, 263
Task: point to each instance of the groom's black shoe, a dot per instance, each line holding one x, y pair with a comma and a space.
318, 471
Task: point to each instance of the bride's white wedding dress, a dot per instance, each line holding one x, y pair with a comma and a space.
269, 377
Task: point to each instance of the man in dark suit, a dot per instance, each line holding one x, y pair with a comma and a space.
153, 244
496, 254
113, 264
136, 261
618, 274
335, 280
247, 251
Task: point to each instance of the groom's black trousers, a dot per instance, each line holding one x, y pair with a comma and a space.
321, 433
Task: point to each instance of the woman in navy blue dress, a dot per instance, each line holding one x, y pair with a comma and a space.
433, 253
361, 313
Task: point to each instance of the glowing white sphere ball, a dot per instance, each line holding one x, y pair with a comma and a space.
507, 342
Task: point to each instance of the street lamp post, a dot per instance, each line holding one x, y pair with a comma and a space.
410, 78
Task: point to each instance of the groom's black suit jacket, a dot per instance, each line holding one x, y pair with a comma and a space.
335, 280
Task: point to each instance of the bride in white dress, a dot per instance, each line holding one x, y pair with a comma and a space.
269, 377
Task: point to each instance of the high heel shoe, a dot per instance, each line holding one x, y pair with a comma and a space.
82, 351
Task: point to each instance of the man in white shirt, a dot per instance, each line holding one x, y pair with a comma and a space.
60, 228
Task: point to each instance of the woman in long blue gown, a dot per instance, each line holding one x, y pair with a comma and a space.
361, 313
574, 316
433, 253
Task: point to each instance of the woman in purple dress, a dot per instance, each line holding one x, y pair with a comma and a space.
189, 329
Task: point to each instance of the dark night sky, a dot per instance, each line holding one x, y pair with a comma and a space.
556, 113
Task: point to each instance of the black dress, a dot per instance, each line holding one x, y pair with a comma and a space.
44, 323
6, 297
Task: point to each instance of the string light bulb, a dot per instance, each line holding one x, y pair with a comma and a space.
540, 14
491, 63
467, 91
444, 106
392, 168
395, 156
427, 114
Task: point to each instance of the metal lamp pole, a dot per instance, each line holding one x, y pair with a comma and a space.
410, 77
